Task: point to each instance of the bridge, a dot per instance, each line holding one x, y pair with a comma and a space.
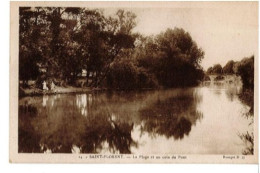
226, 78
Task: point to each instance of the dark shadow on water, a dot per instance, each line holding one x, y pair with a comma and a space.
63, 131
28, 139
247, 97
102, 128
95, 123
171, 117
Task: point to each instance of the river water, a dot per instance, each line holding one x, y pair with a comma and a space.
208, 119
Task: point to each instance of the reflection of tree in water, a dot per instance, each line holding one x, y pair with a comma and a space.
233, 89
248, 139
60, 130
247, 97
28, 140
102, 129
172, 117
231, 93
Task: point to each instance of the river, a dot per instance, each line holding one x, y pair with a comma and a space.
208, 119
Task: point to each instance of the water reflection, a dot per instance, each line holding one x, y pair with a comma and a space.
49, 100
247, 97
232, 91
81, 101
44, 100
231, 85
61, 131
202, 120
172, 117
28, 138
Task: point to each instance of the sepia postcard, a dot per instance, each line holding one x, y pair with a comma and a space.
134, 82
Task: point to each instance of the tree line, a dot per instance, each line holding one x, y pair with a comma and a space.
243, 68
57, 43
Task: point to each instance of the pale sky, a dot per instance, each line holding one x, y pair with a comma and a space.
224, 30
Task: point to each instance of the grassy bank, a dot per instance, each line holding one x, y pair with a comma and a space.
58, 90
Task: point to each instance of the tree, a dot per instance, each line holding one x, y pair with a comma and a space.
177, 58
33, 47
217, 69
63, 41
228, 68
210, 70
44, 40
63, 60
246, 71
117, 38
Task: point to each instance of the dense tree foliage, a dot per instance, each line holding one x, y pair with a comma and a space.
173, 57
228, 68
216, 69
209, 70
57, 43
245, 68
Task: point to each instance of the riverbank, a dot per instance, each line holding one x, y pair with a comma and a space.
58, 90
68, 90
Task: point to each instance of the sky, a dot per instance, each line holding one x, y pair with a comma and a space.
224, 30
